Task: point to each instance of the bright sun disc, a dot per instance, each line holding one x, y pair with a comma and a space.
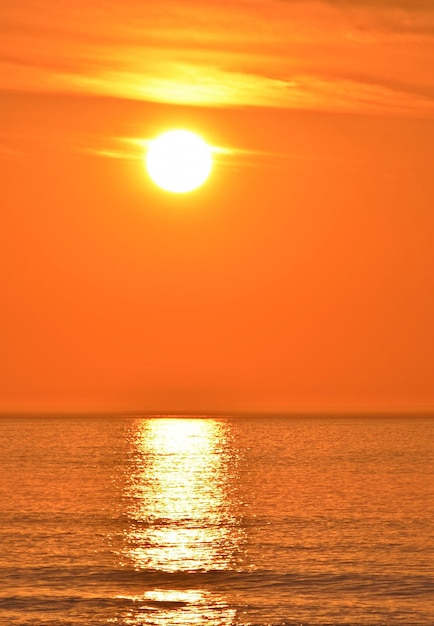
178, 161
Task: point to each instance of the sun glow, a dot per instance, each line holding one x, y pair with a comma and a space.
179, 161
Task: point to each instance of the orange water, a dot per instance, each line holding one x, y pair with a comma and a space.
219, 521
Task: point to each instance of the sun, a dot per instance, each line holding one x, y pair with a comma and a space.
179, 161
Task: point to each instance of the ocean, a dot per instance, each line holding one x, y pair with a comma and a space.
261, 520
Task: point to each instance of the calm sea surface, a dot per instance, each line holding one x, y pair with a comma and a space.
223, 521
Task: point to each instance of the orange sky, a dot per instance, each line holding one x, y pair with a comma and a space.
300, 277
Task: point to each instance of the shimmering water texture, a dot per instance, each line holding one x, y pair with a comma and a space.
222, 521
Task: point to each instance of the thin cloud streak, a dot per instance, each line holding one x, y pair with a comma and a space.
10, 154
134, 149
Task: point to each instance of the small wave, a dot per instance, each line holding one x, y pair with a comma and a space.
79, 577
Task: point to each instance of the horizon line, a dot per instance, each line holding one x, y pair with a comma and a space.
239, 413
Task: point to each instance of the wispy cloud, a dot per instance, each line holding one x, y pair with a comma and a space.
405, 5
351, 55
10, 153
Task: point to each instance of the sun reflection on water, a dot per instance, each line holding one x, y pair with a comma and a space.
193, 607
182, 519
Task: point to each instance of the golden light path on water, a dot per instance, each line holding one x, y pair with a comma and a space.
182, 519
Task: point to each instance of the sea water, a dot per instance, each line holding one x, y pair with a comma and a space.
221, 520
